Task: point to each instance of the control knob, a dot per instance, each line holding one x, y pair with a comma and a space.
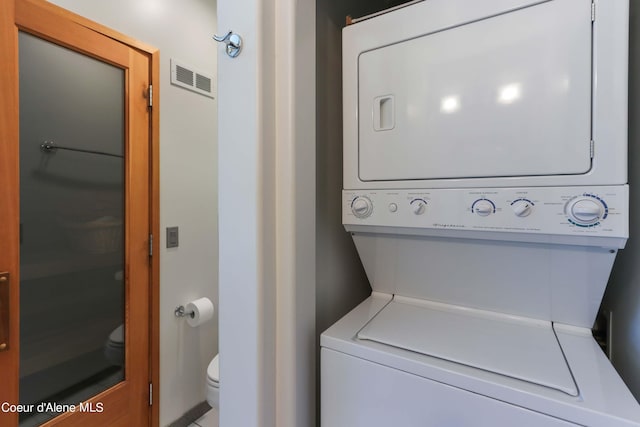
361, 207
585, 211
522, 208
483, 207
419, 206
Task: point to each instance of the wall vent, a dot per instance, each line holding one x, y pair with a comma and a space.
186, 77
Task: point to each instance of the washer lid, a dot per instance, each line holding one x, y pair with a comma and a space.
213, 370
516, 347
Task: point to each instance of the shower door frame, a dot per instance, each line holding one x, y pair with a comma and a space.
55, 24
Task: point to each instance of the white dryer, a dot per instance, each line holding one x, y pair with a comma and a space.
485, 154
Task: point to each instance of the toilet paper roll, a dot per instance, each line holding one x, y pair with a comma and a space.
202, 309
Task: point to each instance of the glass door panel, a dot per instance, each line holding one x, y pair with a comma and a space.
72, 181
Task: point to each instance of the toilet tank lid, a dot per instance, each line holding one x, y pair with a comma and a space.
117, 335
213, 370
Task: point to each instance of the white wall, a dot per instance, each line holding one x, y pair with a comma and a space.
623, 295
267, 183
188, 181
246, 217
296, 212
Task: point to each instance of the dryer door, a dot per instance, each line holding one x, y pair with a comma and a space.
505, 95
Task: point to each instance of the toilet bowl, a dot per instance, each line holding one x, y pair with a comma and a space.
213, 383
114, 348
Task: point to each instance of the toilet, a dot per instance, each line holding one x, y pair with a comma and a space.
114, 347
213, 383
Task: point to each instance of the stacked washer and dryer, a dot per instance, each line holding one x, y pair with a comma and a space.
485, 187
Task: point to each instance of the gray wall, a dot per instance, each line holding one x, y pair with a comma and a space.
623, 294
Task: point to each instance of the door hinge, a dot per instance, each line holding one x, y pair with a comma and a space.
150, 245
150, 394
593, 11
150, 96
592, 148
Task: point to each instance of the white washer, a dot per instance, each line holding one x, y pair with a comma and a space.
368, 383
485, 189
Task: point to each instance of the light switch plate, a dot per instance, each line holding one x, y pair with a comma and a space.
172, 237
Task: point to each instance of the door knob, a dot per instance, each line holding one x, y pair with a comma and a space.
233, 42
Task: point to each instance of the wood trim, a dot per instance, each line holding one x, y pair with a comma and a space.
9, 218
10, 204
154, 55
155, 229
92, 25
33, 19
138, 170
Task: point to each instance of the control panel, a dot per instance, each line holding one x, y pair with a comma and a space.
593, 211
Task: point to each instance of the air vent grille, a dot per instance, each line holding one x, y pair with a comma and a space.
186, 77
203, 82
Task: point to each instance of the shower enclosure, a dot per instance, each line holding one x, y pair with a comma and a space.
72, 121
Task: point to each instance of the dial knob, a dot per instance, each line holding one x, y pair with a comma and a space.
522, 208
585, 211
483, 207
361, 207
419, 206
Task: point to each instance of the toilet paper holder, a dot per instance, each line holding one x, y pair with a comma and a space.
196, 312
180, 311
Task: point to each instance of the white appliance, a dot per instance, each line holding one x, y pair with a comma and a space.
485, 155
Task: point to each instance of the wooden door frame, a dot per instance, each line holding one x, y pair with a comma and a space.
9, 171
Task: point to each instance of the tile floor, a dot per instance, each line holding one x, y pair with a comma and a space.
210, 419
